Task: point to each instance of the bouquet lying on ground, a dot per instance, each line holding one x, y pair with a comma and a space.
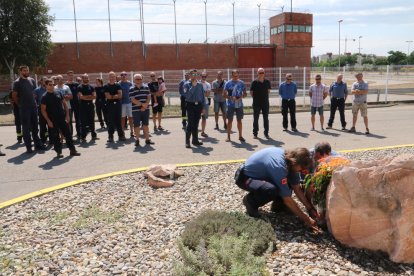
317, 184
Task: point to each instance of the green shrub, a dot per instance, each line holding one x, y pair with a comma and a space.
224, 255
259, 233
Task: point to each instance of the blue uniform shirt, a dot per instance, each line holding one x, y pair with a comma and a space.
194, 94
338, 90
269, 165
288, 91
181, 87
235, 89
125, 86
39, 92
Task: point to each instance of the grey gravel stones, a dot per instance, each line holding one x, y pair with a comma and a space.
121, 226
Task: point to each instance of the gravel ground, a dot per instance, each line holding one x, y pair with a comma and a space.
120, 225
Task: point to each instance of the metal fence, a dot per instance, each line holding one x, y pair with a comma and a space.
397, 81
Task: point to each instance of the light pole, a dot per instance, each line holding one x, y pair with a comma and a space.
258, 34
205, 12
359, 44
339, 59
408, 50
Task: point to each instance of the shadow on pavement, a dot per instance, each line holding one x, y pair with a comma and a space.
298, 133
54, 162
244, 145
15, 146
202, 150
144, 149
210, 140
270, 142
328, 133
161, 132
21, 158
371, 135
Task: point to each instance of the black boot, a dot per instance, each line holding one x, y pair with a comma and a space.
187, 139
196, 142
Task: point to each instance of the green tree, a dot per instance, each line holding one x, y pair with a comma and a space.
381, 61
367, 60
397, 58
410, 58
24, 35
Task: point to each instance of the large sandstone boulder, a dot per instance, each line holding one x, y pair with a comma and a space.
161, 176
371, 205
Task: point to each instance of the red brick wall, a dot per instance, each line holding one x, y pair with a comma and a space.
293, 56
96, 57
250, 57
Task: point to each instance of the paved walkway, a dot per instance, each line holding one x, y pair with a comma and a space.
22, 173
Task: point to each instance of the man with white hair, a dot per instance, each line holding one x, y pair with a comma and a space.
140, 97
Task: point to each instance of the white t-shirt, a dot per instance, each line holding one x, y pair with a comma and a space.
207, 88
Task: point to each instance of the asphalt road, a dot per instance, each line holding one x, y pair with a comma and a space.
23, 173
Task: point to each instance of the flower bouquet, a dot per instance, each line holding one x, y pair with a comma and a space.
316, 185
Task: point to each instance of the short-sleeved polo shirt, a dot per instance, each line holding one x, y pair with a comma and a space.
360, 86
269, 165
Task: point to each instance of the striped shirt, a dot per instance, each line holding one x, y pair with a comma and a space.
139, 93
317, 94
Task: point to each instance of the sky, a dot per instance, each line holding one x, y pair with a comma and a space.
383, 25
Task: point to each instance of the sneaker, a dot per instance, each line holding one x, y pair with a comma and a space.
149, 142
328, 127
352, 129
250, 210
204, 134
136, 143
122, 138
241, 139
160, 128
187, 145
322, 129
285, 129
74, 153
155, 129
295, 130
313, 129
217, 127
110, 140
267, 136
367, 131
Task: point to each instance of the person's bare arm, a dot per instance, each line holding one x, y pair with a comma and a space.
65, 106
291, 204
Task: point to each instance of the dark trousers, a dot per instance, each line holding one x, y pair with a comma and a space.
17, 121
101, 112
183, 110
30, 126
87, 118
289, 106
261, 192
193, 115
43, 133
60, 126
76, 111
264, 108
114, 112
337, 103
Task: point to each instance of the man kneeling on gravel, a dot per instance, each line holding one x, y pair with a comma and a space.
270, 175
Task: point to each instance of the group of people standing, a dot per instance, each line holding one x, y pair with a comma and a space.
119, 101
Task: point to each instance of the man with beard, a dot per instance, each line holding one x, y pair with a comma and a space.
22, 94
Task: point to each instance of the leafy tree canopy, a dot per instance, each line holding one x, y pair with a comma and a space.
24, 35
397, 58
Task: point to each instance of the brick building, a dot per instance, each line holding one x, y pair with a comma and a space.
290, 46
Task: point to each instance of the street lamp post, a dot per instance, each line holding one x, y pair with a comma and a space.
408, 50
339, 59
359, 44
258, 34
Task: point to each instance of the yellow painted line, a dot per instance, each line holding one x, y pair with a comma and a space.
101, 176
